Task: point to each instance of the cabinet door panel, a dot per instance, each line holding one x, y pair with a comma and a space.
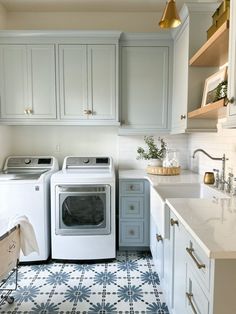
14, 85
145, 86
180, 79
42, 87
73, 81
101, 78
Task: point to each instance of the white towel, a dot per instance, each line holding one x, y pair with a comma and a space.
28, 242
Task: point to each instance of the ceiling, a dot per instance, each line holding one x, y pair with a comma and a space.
89, 5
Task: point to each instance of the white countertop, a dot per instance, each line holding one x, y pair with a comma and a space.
185, 176
212, 223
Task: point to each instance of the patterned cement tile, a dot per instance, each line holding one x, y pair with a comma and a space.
128, 285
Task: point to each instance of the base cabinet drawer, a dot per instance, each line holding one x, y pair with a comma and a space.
196, 300
132, 233
132, 187
132, 207
134, 213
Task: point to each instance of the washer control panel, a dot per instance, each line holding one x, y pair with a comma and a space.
86, 162
28, 162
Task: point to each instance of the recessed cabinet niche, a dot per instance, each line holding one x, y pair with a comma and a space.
27, 82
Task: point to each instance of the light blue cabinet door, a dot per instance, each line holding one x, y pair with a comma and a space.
14, 81
73, 81
102, 82
144, 83
42, 85
27, 79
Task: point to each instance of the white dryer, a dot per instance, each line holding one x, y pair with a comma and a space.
25, 190
83, 209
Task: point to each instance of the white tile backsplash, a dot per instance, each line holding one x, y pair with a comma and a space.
215, 144
127, 150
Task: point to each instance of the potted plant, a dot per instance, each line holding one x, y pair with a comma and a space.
153, 154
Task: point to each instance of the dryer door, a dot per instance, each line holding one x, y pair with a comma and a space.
83, 210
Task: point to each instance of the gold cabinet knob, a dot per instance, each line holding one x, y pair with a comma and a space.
26, 111
230, 101
88, 111
131, 207
159, 237
174, 222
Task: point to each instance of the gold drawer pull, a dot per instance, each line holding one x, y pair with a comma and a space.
131, 207
190, 252
174, 222
159, 237
190, 296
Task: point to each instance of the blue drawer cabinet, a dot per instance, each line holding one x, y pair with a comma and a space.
134, 213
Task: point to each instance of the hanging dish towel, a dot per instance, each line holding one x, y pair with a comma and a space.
28, 242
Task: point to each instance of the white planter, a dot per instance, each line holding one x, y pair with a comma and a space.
155, 162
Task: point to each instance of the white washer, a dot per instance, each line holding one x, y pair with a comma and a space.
83, 209
25, 190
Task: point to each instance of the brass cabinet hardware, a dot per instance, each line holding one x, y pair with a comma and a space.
190, 252
159, 237
174, 222
28, 111
131, 207
88, 111
230, 101
131, 187
190, 296
183, 116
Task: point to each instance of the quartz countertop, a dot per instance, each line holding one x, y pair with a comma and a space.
212, 222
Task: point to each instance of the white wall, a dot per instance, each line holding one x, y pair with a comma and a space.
61, 141
127, 150
216, 144
122, 21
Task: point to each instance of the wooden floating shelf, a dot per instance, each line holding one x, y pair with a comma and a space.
214, 110
215, 51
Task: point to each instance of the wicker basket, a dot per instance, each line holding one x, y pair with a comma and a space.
163, 171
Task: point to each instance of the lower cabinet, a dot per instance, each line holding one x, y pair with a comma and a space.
134, 213
196, 284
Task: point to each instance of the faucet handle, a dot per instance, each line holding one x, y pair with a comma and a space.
217, 177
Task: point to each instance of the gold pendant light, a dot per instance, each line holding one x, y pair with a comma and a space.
170, 17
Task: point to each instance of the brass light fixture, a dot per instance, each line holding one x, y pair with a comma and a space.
170, 17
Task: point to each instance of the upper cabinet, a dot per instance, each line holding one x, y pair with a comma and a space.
27, 82
88, 83
68, 77
231, 113
146, 80
188, 82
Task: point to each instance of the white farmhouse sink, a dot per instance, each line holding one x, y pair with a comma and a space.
192, 190
159, 194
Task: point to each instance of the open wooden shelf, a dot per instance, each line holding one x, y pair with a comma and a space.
215, 51
214, 110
